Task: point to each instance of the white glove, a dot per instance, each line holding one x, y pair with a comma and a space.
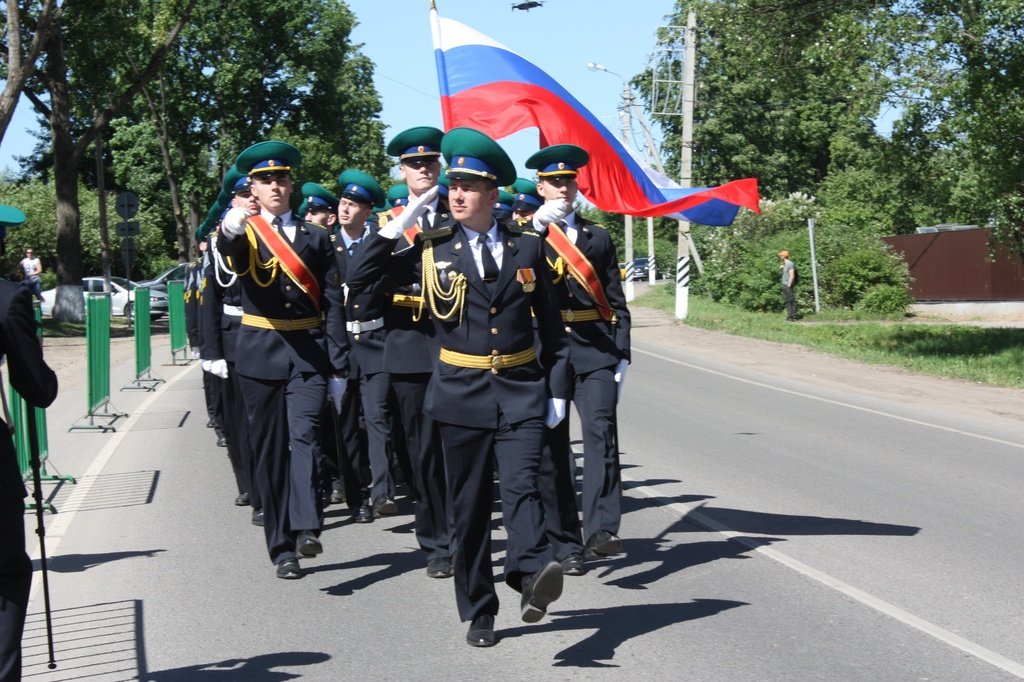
194, 352
549, 212
234, 222
336, 391
555, 412
219, 368
620, 377
394, 228
205, 364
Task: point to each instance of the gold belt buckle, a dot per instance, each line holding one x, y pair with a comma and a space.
497, 363
569, 316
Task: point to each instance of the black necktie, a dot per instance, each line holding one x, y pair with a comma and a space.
487, 259
279, 226
352, 247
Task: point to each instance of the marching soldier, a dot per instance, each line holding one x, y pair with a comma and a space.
294, 349
37, 384
525, 202
593, 309
222, 319
502, 209
491, 393
193, 287
411, 352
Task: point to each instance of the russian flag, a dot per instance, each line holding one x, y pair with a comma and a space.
485, 85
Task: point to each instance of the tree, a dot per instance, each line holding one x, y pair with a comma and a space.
86, 88
20, 65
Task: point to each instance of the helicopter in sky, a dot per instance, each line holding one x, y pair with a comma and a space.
527, 6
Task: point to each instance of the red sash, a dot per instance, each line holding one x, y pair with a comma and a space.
581, 269
289, 261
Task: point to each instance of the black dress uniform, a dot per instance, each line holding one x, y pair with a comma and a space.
598, 344
37, 384
491, 388
410, 353
222, 318
288, 343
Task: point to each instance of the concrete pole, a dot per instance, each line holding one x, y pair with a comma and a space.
651, 264
686, 166
627, 139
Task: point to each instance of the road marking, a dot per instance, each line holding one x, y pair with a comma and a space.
56, 530
691, 513
829, 401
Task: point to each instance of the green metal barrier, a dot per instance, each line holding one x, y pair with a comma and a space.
176, 312
19, 420
97, 344
144, 378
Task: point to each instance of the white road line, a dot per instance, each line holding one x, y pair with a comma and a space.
58, 528
908, 420
690, 513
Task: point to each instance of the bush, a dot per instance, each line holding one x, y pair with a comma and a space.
885, 299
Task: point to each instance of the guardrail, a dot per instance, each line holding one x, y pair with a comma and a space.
176, 313
144, 379
97, 343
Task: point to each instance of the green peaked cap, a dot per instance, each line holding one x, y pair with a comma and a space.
358, 186
267, 157
316, 195
559, 159
416, 142
471, 154
11, 216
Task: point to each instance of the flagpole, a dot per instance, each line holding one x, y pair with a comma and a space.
442, 70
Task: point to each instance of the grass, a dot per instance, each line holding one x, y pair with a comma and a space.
54, 329
993, 356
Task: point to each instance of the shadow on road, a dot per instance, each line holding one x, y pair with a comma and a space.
75, 563
255, 669
615, 626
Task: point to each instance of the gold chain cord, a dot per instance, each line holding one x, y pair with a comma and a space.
431, 285
557, 269
253, 262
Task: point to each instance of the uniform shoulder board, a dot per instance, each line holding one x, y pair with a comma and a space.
586, 225
436, 232
443, 219
384, 217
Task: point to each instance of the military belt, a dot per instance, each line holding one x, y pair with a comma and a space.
357, 327
407, 300
586, 315
233, 310
493, 362
295, 325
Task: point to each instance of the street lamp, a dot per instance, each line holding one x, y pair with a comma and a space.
626, 116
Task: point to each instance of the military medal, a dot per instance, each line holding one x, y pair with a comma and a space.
527, 278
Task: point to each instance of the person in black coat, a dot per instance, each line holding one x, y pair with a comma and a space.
37, 384
291, 350
494, 388
597, 323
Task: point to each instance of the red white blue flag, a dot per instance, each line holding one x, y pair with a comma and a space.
485, 85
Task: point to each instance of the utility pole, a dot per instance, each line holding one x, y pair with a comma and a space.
104, 230
686, 165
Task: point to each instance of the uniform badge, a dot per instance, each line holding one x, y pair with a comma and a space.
527, 278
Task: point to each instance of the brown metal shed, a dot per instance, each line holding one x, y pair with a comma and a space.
953, 265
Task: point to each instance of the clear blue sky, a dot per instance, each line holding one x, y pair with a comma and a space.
560, 37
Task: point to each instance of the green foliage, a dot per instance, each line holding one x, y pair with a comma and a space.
886, 299
742, 267
38, 232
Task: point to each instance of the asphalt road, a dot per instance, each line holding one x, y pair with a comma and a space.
787, 517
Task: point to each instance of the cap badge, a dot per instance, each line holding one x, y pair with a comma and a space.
461, 161
421, 148
561, 166
272, 163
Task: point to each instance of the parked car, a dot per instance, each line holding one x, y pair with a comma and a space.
159, 283
122, 298
641, 268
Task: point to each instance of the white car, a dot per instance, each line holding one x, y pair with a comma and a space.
119, 299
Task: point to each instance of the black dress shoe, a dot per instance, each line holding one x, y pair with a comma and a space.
242, 500
573, 564
289, 570
364, 514
307, 544
222, 442
602, 544
257, 517
210, 424
440, 567
385, 506
337, 491
539, 590
481, 631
